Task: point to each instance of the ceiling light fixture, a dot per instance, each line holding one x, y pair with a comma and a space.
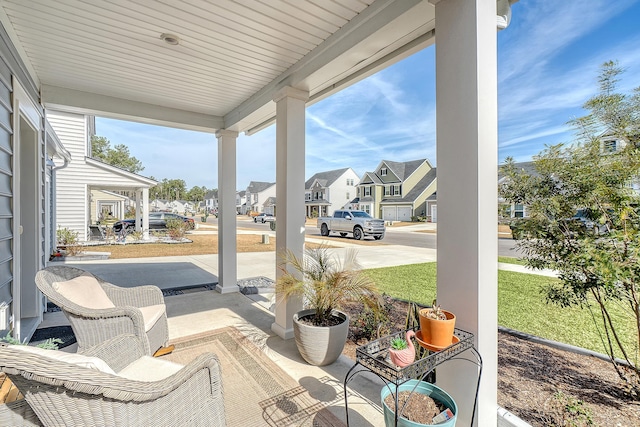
171, 39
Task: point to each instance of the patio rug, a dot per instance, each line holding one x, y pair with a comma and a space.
257, 392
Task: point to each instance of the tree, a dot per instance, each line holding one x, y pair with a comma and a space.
174, 189
597, 270
196, 194
118, 156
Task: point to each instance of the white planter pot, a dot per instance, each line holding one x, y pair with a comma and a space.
319, 345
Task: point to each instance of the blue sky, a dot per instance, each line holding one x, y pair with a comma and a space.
548, 62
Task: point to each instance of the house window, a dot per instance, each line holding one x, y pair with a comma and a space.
367, 191
348, 196
396, 190
610, 146
307, 196
383, 172
367, 209
387, 190
518, 211
349, 181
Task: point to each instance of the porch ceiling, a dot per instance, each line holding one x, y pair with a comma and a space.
107, 57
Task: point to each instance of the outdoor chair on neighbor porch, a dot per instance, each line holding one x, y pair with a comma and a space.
111, 384
98, 310
97, 232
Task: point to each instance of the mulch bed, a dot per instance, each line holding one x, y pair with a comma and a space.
531, 374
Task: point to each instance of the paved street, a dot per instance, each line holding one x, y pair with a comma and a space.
410, 235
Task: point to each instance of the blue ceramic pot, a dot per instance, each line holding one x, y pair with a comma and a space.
435, 392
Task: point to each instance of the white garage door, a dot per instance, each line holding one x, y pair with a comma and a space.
389, 213
404, 213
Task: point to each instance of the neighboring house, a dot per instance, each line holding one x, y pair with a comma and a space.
241, 201
269, 206
160, 205
432, 207
181, 207
257, 194
397, 191
85, 174
211, 201
104, 202
514, 210
328, 191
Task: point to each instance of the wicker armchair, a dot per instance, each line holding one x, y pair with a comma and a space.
132, 389
139, 311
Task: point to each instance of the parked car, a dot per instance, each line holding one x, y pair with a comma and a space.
359, 223
589, 224
581, 222
264, 217
157, 221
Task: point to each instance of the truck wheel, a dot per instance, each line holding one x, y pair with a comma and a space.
324, 230
357, 233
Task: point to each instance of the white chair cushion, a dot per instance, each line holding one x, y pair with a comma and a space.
85, 291
73, 358
151, 314
149, 369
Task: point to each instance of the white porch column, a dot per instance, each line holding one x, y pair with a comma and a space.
290, 149
467, 153
227, 241
139, 215
145, 213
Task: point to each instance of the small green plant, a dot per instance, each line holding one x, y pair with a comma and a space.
413, 322
374, 320
567, 411
137, 235
69, 239
109, 234
49, 344
435, 312
399, 343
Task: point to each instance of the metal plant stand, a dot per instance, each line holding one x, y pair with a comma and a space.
372, 357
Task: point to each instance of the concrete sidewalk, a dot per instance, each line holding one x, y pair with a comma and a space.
197, 270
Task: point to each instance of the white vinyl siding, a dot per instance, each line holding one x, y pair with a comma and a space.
71, 187
6, 192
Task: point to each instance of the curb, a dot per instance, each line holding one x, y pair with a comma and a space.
560, 345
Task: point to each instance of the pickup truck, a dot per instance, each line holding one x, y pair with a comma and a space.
359, 223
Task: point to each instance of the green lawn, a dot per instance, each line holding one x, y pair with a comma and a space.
510, 260
521, 305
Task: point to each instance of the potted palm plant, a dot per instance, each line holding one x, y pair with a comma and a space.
325, 283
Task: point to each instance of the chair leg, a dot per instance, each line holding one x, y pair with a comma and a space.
164, 350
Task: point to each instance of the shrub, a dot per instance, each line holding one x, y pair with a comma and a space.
176, 228
69, 239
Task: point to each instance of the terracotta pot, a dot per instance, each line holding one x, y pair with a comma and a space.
404, 357
437, 332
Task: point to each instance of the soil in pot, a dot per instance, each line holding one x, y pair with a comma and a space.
311, 320
419, 409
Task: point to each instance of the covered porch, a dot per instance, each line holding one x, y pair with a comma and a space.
244, 67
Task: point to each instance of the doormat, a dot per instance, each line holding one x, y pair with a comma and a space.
63, 333
257, 392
